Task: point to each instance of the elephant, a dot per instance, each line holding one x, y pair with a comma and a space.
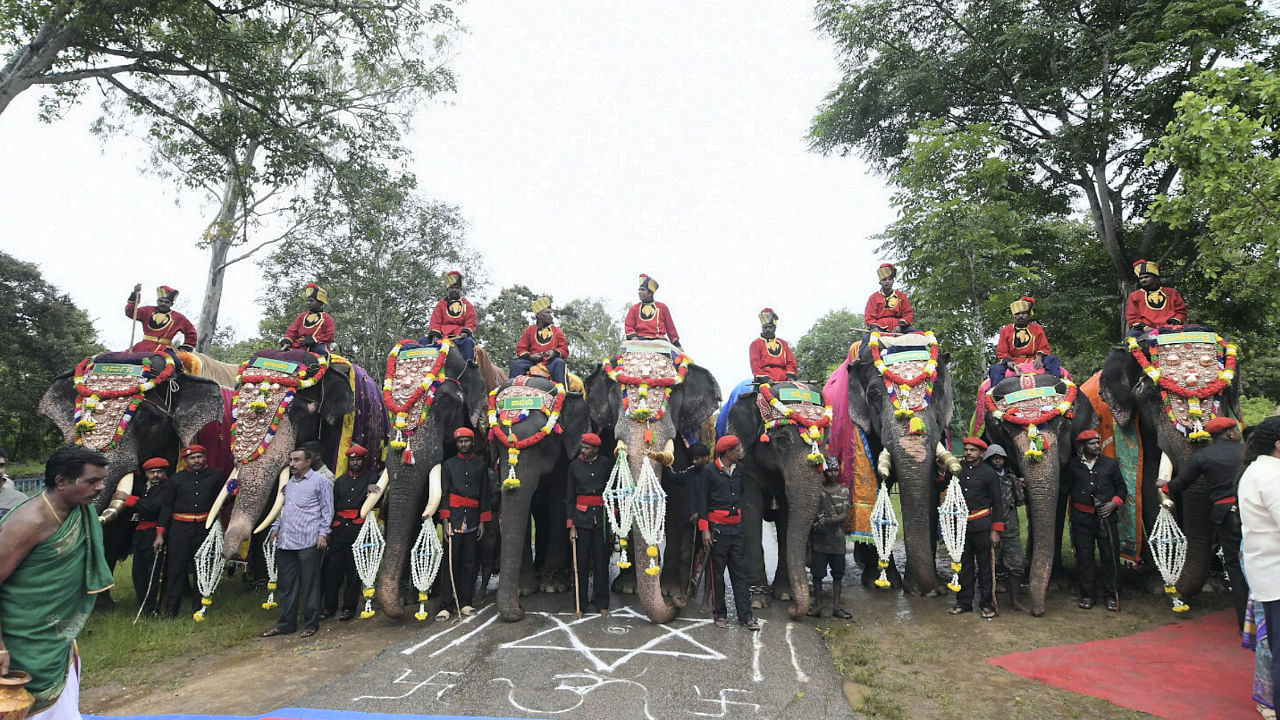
1041, 467
534, 486
690, 402
1137, 405
458, 401
904, 453
168, 416
779, 469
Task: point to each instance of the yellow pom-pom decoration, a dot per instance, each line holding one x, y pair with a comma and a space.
206, 601
882, 583
652, 570
366, 614
368, 592
624, 565
884, 563
652, 551
953, 587
420, 616
422, 597
955, 567
197, 616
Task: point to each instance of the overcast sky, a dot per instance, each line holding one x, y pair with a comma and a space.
588, 142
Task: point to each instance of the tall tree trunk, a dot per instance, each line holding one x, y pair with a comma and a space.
34, 61
221, 235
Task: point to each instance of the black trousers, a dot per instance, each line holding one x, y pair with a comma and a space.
462, 558
593, 561
146, 571
339, 573
728, 551
820, 561
298, 574
1226, 530
975, 565
183, 539
1087, 533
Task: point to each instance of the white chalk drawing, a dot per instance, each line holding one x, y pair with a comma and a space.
441, 675
757, 645
453, 626
724, 702
589, 681
795, 663
674, 640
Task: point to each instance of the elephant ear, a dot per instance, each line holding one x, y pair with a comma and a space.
197, 403
574, 421
1120, 375
337, 400
859, 408
603, 400
697, 399
943, 393
744, 420
59, 405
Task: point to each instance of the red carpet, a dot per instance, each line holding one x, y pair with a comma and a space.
1194, 670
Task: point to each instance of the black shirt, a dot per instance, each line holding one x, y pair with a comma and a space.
1099, 485
350, 492
466, 476
690, 479
154, 504
1219, 464
194, 492
720, 491
586, 478
981, 487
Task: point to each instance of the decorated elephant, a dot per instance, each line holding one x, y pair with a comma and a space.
130, 406
646, 399
535, 425
900, 400
1154, 397
1036, 417
781, 426
429, 391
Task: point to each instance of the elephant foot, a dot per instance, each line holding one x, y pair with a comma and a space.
511, 614
680, 601
783, 592
528, 584
760, 597
935, 592
625, 584
104, 601
1037, 612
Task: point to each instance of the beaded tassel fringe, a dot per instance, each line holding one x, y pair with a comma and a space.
649, 509
368, 556
1169, 551
209, 565
425, 563
619, 504
269, 553
953, 516
884, 530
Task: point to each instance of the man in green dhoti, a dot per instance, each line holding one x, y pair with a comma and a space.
51, 569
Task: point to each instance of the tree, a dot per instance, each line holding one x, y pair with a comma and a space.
44, 334
255, 102
502, 320
826, 344
383, 266
1078, 92
592, 332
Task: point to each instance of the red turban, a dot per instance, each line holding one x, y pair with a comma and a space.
463, 433
591, 439
193, 449
156, 462
357, 451
976, 442
1088, 435
726, 443
1220, 424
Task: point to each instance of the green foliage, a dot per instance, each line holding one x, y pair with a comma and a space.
502, 320
826, 344
591, 330
44, 334
1254, 410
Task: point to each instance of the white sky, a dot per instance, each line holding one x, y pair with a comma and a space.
588, 142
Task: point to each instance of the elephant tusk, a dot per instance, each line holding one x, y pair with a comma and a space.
124, 489
884, 464
948, 458
372, 500
434, 492
221, 500
1166, 468
621, 447
279, 504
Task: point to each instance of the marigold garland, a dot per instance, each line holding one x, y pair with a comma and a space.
1211, 391
899, 386
811, 431
88, 400
681, 362
265, 385
513, 444
398, 411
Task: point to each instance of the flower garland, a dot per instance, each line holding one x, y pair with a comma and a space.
812, 431
399, 410
513, 444
643, 413
270, 434
265, 385
1038, 443
682, 363
899, 386
1193, 397
89, 401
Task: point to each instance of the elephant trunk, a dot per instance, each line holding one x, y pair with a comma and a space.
514, 547
803, 512
914, 468
256, 485
1042, 503
648, 587
402, 522
1197, 511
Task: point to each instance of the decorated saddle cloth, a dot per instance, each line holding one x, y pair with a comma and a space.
109, 389
523, 395
848, 443
909, 365
1029, 400
798, 399
414, 373
1192, 365
265, 389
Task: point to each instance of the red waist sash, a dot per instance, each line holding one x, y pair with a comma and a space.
352, 515
463, 501
590, 501
725, 517
1225, 500
146, 525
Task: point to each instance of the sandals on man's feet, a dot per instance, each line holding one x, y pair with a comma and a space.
722, 623
988, 613
752, 624
956, 610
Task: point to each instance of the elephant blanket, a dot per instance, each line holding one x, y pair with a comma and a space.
109, 389
368, 425
848, 443
1192, 366
1124, 444
266, 387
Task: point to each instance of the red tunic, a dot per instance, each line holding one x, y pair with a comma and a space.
772, 359
451, 318
651, 320
886, 310
309, 328
1025, 343
1156, 308
532, 341
159, 329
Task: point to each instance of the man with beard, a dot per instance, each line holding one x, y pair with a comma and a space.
160, 322
584, 503
1097, 490
1152, 306
1023, 341
454, 317
542, 344
349, 492
149, 511
771, 358
650, 319
192, 495
981, 488
888, 310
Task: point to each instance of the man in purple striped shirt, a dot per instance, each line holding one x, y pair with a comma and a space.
302, 534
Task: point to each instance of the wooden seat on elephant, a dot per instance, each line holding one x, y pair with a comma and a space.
110, 387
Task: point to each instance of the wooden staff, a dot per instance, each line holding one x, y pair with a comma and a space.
133, 328
577, 603
150, 581
449, 536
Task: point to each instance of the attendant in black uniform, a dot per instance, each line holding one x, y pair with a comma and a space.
149, 511
690, 480
981, 487
1220, 465
464, 485
1097, 489
349, 492
584, 503
192, 495
719, 518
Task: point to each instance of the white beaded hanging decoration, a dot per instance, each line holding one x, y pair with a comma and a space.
953, 516
619, 504
209, 565
424, 563
367, 551
1169, 550
650, 511
884, 531
269, 553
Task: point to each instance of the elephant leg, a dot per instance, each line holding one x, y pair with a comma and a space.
514, 555
753, 529
1197, 524
784, 585
527, 574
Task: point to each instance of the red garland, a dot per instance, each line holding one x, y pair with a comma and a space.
1212, 389
395, 407
286, 381
682, 368
897, 379
532, 439
86, 391
1043, 417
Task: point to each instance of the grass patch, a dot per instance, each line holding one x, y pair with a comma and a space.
857, 657
114, 648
